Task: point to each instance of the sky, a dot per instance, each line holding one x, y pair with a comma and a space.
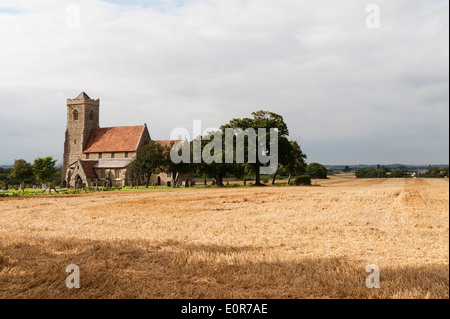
355, 85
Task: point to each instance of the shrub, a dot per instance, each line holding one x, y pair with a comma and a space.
316, 170
302, 180
265, 180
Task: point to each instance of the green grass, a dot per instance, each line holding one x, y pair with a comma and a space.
63, 191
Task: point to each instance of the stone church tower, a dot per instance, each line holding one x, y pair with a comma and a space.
82, 117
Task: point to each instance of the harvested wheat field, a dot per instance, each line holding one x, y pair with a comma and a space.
269, 242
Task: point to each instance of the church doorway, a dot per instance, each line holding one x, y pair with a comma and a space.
158, 181
78, 182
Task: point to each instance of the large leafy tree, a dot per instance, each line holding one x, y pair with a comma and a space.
44, 170
261, 119
21, 171
149, 160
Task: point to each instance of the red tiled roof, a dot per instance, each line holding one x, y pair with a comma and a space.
88, 167
114, 139
165, 142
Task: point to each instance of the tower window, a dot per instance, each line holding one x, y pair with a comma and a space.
126, 154
74, 142
113, 155
100, 155
91, 115
75, 115
87, 156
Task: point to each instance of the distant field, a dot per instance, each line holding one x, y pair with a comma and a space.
268, 242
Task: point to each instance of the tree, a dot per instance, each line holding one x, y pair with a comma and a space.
398, 173
217, 169
295, 164
261, 119
149, 160
316, 170
347, 169
44, 170
284, 155
175, 168
370, 173
434, 171
21, 171
444, 171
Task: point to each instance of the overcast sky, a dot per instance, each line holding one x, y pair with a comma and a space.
350, 94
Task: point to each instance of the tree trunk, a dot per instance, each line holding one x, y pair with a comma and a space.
258, 177
274, 177
289, 178
219, 180
147, 179
174, 179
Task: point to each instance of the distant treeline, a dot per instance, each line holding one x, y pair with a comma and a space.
384, 172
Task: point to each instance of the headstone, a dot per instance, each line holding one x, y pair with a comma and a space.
34, 186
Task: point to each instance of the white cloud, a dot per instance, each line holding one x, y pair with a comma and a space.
338, 84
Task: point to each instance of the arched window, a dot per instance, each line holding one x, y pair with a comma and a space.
75, 115
91, 115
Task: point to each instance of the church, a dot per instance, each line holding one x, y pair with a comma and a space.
102, 156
